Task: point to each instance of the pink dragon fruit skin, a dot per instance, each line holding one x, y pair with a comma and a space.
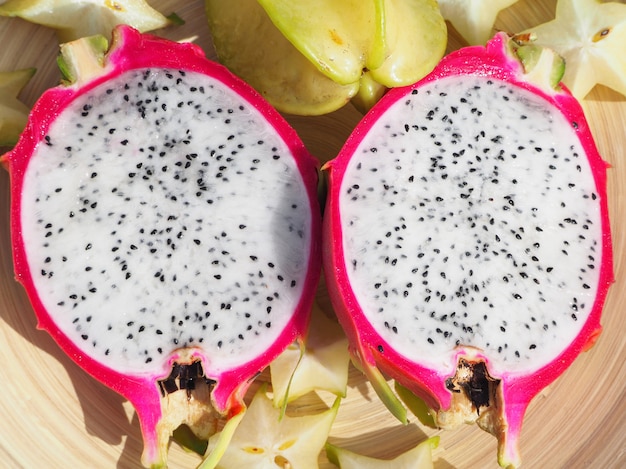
129, 51
374, 352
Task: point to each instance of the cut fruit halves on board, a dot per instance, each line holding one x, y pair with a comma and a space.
467, 244
166, 228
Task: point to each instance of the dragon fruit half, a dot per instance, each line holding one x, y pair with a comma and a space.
467, 242
166, 228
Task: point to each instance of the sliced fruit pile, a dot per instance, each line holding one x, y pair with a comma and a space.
316, 57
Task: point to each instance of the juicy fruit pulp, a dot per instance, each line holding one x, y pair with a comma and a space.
467, 239
165, 227
182, 217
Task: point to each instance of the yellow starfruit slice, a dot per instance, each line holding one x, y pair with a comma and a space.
591, 36
473, 19
419, 457
13, 113
249, 44
322, 364
341, 37
73, 19
315, 56
415, 39
264, 440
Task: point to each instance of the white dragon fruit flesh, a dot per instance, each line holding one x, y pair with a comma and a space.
166, 228
467, 246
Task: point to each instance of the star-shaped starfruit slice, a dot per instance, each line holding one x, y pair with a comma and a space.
341, 37
419, 457
273, 66
396, 41
265, 440
473, 19
315, 56
13, 113
73, 19
591, 37
321, 364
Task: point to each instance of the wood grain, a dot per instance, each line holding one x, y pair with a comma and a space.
55, 415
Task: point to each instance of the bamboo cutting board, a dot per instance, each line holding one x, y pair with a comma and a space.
54, 415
